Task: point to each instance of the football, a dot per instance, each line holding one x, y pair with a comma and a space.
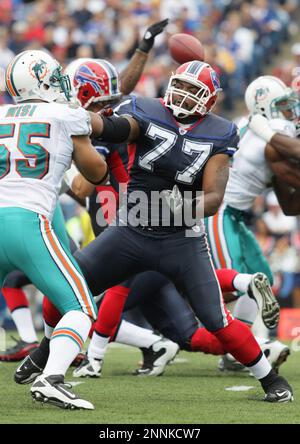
185, 48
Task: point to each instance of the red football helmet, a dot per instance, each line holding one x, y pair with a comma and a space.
198, 74
93, 80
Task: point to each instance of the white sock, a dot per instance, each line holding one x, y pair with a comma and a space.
245, 309
261, 341
98, 346
241, 282
24, 323
48, 330
66, 341
131, 334
261, 369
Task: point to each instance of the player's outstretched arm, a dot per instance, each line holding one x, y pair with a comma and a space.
289, 147
90, 164
130, 76
285, 170
114, 129
214, 182
288, 198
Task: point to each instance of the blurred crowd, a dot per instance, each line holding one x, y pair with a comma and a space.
240, 37
240, 40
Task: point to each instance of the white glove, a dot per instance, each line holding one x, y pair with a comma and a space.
70, 175
174, 199
260, 126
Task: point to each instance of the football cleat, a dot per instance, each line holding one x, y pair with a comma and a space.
89, 367
27, 371
156, 357
279, 391
276, 352
53, 390
18, 351
260, 290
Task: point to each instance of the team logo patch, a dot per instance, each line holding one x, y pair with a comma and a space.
85, 76
38, 69
215, 80
261, 94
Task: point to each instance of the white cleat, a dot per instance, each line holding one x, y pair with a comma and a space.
156, 358
53, 390
260, 290
89, 367
276, 352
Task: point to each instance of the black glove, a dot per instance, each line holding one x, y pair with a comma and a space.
150, 34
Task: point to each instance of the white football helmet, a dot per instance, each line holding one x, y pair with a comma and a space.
36, 74
269, 96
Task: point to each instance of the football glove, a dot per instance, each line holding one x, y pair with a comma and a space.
260, 126
150, 34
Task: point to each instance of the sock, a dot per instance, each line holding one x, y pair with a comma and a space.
66, 341
98, 346
48, 330
17, 302
40, 355
260, 367
226, 277
131, 334
23, 319
238, 340
204, 341
241, 282
50, 313
110, 310
245, 309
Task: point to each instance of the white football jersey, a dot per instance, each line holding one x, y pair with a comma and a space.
250, 173
35, 151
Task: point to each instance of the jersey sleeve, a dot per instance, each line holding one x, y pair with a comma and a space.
133, 108
229, 145
77, 122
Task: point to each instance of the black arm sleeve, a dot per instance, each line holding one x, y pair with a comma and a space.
115, 129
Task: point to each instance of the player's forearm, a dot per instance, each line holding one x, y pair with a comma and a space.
286, 172
81, 187
287, 146
211, 203
288, 198
130, 76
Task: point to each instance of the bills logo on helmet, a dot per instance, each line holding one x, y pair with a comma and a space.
215, 80
84, 75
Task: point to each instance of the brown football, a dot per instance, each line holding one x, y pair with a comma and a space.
185, 48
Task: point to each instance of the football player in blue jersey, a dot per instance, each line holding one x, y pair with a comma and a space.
180, 146
178, 257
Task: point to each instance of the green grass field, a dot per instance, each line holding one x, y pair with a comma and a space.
191, 391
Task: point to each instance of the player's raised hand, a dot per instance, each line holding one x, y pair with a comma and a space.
150, 34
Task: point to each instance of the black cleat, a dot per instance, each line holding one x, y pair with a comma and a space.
18, 351
279, 391
27, 371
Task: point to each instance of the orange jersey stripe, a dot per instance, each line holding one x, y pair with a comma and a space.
68, 268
